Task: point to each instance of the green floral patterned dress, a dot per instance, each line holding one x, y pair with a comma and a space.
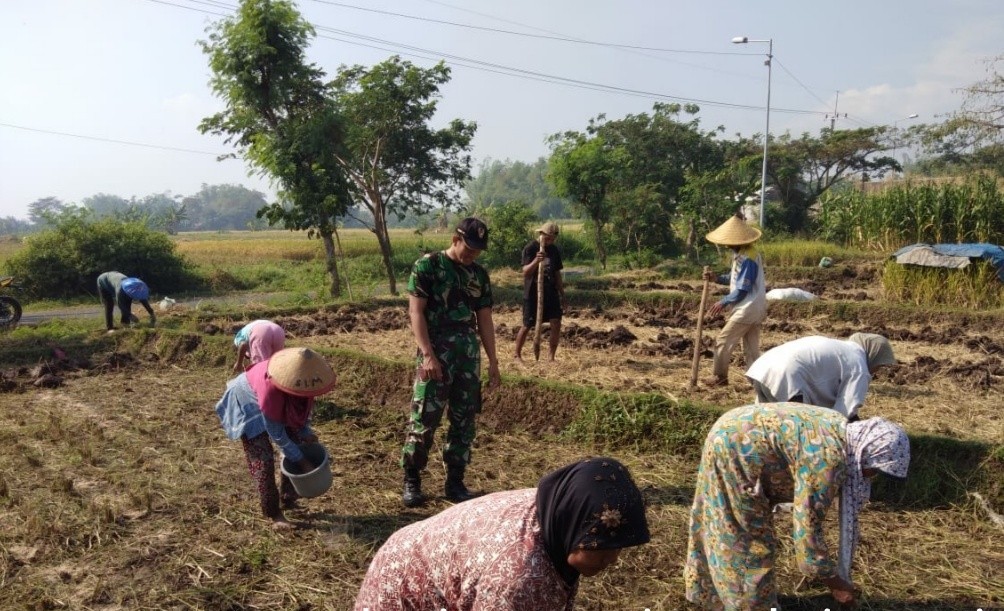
754, 457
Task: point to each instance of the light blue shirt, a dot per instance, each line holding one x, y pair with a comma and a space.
240, 415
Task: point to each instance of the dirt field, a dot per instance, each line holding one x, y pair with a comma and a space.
118, 489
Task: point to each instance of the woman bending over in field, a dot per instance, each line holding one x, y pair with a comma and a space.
257, 341
760, 455
521, 550
273, 400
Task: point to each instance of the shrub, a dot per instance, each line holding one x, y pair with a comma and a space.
509, 226
66, 259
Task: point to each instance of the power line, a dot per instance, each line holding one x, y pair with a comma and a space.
794, 78
581, 41
519, 72
111, 140
551, 78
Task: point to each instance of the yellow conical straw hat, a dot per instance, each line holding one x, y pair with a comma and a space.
734, 232
301, 372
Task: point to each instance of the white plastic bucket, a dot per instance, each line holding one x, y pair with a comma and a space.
316, 482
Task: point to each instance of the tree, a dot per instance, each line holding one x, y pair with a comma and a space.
510, 225
65, 259
279, 117
584, 169
395, 162
498, 182
661, 151
806, 167
709, 197
42, 210
983, 108
105, 205
971, 139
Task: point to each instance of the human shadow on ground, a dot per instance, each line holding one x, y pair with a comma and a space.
822, 602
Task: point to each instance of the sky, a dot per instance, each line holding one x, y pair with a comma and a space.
105, 96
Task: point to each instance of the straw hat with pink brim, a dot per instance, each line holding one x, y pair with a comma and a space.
734, 232
301, 372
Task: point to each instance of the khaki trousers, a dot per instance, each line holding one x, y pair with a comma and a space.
731, 333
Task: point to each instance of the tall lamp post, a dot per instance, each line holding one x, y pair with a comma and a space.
741, 40
895, 130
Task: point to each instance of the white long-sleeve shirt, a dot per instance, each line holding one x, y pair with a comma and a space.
827, 372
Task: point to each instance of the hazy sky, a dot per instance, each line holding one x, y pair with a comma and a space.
80, 78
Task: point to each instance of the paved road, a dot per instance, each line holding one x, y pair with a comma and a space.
33, 317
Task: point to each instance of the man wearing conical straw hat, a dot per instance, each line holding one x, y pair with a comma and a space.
747, 296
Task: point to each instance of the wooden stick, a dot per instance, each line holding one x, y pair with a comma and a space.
540, 304
700, 329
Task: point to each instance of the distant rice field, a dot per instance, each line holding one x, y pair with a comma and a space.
243, 247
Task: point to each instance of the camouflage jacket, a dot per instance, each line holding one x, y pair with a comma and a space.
454, 292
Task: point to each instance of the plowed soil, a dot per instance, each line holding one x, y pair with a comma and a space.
118, 489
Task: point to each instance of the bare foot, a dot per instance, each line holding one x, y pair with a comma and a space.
518, 358
281, 524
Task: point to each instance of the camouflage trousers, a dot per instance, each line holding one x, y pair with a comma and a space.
459, 393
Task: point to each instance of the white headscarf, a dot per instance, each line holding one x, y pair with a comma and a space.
874, 443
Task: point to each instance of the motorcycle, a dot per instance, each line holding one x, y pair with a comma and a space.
10, 308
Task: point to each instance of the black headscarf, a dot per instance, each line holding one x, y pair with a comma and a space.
590, 504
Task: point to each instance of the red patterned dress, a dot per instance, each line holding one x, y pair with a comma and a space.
486, 554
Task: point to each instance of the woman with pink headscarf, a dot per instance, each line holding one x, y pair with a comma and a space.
257, 341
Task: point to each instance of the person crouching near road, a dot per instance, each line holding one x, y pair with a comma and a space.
759, 455
257, 341
821, 371
747, 296
115, 288
272, 402
450, 306
520, 550
554, 289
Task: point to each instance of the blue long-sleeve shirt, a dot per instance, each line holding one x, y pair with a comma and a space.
748, 271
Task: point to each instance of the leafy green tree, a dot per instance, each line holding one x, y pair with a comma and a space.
806, 167
584, 169
395, 161
217, 207
279, 116
709, 197
66, 259
10, 225
510, 225
41, 210
498, 182
103, 204
662, 149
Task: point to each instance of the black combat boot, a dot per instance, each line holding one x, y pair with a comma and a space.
412, 495
456, 491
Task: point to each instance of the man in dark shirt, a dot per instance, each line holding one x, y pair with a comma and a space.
554, 290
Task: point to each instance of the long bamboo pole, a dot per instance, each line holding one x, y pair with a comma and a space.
540, 304
700, 329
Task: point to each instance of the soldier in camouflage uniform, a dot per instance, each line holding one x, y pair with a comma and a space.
450, 306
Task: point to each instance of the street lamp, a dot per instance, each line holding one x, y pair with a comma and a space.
741, 40
895, 131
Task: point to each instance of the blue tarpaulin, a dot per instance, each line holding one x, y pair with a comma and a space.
954, 256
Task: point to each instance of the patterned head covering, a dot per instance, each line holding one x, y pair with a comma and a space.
874, 443
591, 504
